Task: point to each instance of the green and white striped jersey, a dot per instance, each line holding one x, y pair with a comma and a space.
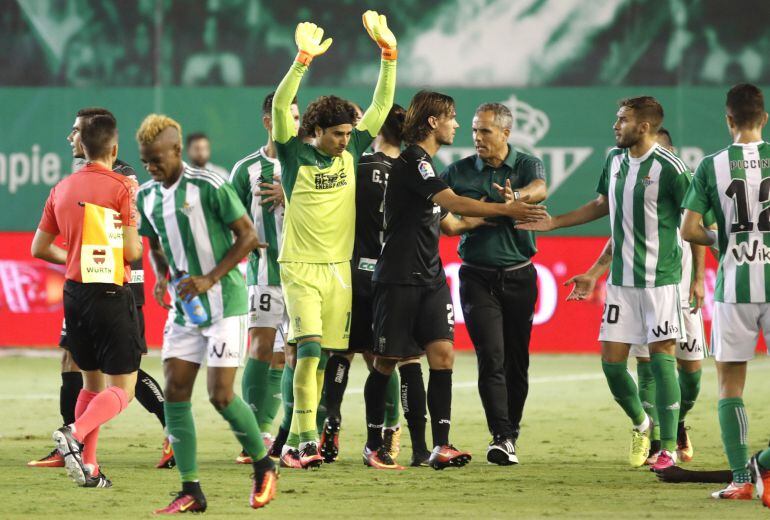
191, 219
645, 196
735, 184
263, 267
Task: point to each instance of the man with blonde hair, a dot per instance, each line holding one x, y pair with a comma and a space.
190, 217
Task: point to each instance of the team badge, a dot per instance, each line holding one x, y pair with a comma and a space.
426, 170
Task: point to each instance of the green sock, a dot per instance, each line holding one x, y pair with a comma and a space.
667, 398
287, 396
647, 395
764, 458
689, 386
181, 431
254, 384
244, 426
392, 398
624, 390
271, 400
320, 416
735, 434
306, 390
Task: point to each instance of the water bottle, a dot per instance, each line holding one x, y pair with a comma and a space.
193, 307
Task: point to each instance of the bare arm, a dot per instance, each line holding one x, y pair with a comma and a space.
588, 212
585, 283
520, 210
160, 268
44, 248
132, 244
535, 190
693, 231
245, 241
698, 286
452, 225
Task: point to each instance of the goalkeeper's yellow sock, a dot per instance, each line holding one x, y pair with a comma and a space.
306, 391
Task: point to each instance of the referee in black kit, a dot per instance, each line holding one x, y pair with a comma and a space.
413, 312
498, 283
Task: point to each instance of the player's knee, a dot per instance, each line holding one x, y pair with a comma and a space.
67, 363
441, 356
221, 398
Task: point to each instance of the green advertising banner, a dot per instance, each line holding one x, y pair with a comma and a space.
569, 128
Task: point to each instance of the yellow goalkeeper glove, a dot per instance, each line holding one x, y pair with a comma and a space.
308, 37
377, 26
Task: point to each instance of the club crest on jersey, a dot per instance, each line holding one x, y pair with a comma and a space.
426, 170
647, 181
186, 208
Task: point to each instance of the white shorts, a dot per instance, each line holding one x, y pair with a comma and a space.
642, 315
693, 349
221, 344
735, 330
267, 310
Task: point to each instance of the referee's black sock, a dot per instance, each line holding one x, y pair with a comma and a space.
71, 384
149, 394
374, 396
413, 404
335, 383
440, 405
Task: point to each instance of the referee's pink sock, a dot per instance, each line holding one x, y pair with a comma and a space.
103, 406
89, 443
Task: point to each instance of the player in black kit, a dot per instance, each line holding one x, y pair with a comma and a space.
148, 392
371, 176
413, 312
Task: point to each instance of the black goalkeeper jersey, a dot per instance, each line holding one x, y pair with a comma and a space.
371, 177
137, 267
410, 254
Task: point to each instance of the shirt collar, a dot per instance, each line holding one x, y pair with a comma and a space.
509, 160
639, 160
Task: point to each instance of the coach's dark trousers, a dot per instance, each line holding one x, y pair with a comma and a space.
498, 305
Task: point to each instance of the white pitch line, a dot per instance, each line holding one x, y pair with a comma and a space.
567, 378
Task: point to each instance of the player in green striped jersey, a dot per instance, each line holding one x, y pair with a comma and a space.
256, 179
688, 354
734, 183
319, 183
190, 217
641, 188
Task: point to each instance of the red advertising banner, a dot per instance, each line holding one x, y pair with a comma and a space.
31, 298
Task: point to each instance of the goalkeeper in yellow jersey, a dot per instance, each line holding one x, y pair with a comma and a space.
319, 223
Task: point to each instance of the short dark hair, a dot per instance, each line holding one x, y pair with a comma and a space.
663, 131
267, 104
393, 128
194, 136
326, 111
424, 105
97, 135
94, 111
746, 105
646, 108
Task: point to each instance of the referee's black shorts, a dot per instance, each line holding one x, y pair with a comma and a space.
103, 330
409, 317
140, 323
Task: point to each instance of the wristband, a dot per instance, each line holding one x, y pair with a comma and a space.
389, 54
304, 58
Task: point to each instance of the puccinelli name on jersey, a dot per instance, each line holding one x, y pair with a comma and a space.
745, 164
753, 252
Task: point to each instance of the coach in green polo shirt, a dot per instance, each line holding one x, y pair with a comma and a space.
498, 283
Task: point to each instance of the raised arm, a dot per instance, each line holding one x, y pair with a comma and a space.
588, 212
308, 38
377, 26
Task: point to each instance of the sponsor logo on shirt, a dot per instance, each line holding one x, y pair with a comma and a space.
753, 252
328, 181
426, 170
667, 328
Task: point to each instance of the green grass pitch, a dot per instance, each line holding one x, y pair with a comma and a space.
573, 453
